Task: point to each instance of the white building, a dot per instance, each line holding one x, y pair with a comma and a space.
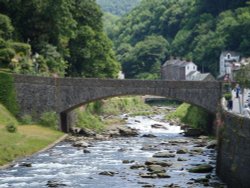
228, 62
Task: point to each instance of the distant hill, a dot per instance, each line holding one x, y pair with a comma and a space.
117, 7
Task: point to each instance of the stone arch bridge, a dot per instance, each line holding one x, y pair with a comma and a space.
36, 95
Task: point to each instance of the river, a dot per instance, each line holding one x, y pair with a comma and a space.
68, 166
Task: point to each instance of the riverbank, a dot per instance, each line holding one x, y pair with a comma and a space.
27, 140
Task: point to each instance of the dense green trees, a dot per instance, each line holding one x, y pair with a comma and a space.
117, 7
195, 29
51, 29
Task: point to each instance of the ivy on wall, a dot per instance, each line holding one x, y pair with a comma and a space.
7, 93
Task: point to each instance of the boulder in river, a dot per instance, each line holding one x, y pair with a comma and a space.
156, 169
80, 144
148, 175
158, 162
82, 131
159, 126
107, 173
212, 144
164, 154
127, 161
193, 132
55, 183
148, 136
150, 148
127, 131
182, 151
137, 166
25, 164
203, 168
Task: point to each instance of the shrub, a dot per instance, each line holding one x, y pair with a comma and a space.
228, 96
26, 119
20, 47
49, 119
11, 128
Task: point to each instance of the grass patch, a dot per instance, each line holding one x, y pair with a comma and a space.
26, 141
6, 117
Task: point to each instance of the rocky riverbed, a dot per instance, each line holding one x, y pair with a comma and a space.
147, 152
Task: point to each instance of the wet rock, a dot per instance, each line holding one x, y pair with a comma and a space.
163, 175
212, 144
80, 144
182, 151
150, 148
158, 162
156, 169
127, 161
181, 159
159, 126
164, 154
107, 173
204, 168
86, 151
148, 185
201, 180
122, 150
126, 131
82, 131
180, 141
196, 151
149, 136
100, 137
55, 183
172, 186
193, 132
26, 164
137, 121
148, 175
138, 166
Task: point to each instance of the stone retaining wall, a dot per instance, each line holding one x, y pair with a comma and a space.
233, 160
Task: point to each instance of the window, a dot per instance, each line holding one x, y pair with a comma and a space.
194, 67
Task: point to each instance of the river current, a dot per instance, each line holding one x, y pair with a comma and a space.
73, 168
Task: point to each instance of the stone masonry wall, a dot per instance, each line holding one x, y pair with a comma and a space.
233, 160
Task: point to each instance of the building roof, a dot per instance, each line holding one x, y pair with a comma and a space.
224, 53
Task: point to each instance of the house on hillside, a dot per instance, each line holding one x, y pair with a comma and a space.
176, 69
229, 62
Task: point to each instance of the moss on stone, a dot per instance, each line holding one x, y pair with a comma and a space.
7, 93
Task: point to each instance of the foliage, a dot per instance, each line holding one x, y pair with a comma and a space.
145, 57
88, 120
11, 128
7, 93
49, 119
92, 55
192, 115
195, 29
243, 76
26, 119
228, 96
6, 28
117, 7
51, 29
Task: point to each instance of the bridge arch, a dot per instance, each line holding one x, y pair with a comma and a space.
40, 94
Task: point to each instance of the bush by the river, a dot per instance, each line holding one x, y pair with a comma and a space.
195, 116
11, 128
49, 119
